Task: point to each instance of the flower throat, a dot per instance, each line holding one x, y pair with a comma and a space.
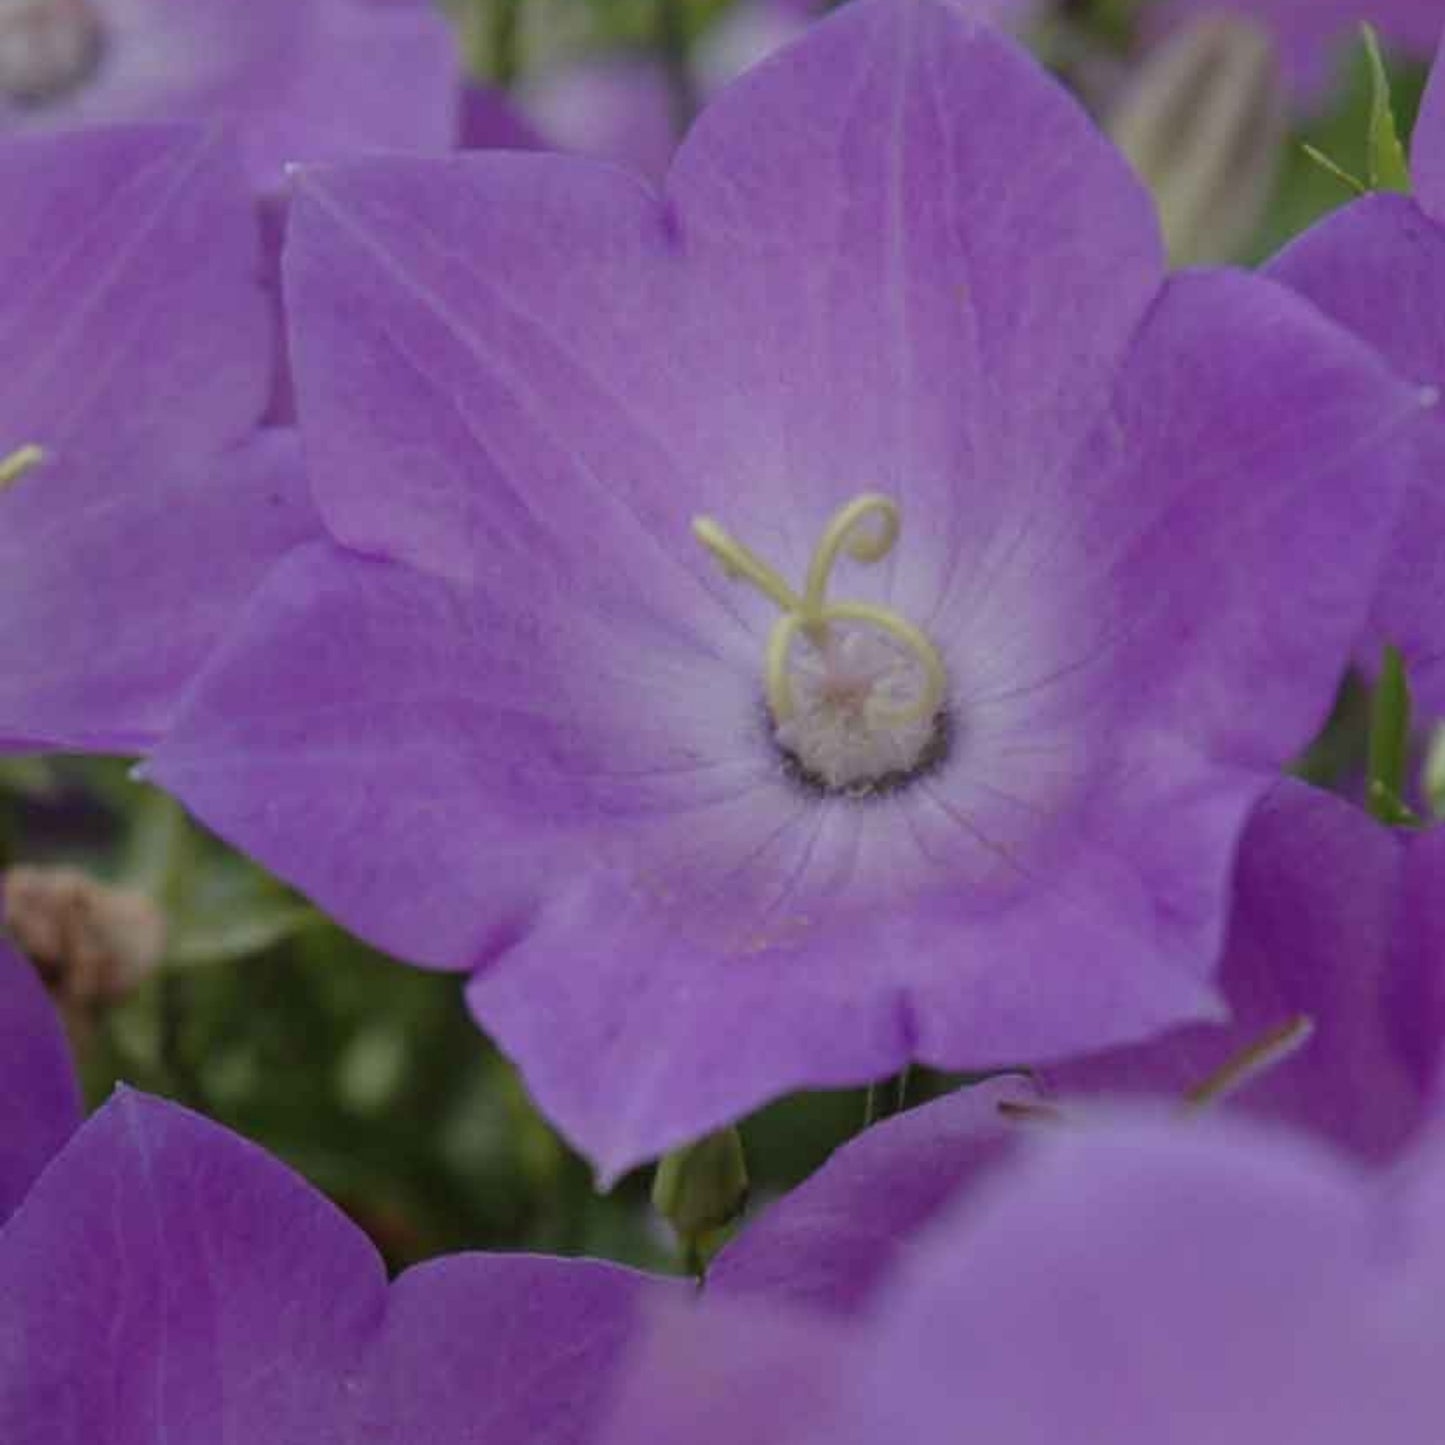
857, 694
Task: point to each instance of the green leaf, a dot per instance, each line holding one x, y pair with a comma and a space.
1389, 748
1389, 170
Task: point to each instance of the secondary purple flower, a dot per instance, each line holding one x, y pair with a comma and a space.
39, 1100
138, 358
1128, 1282
1378, 266
1041, 565
625, 106
1313, 35
165, 1279
300, 79
1337, 921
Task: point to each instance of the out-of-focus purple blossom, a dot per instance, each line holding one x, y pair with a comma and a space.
627, 107
703, 842
301, 80
1127, 1282
166, 1280
1337, 920
1312, 36
138, 358
39, 1100
1378, 267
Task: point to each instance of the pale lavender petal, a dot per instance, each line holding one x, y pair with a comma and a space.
833, 1241
1427, 143
39, 1095
1378, 267
731, 1371
1148, 1281
1322, 928
136, 335
114, 598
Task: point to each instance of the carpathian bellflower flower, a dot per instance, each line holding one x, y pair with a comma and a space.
838, 612
1127, 1282
138, 507
166, 1280
1378, 267
1334, 973
299, 79
1312, 36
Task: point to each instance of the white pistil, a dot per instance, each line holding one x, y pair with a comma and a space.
13, 467
861, 699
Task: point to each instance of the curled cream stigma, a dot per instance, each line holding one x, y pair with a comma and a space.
873, 686
13, 467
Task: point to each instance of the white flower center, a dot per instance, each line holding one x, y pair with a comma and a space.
48, 48
853, 725
856, 691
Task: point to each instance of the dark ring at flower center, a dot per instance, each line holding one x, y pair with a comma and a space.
930, 760
49, 49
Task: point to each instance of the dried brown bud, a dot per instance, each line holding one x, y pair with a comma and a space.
94, 943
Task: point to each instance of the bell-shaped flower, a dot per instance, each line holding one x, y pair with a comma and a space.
299, 79
1378, 267
1334, 974
839, 612
1313, 36
166, 1280
1128, 1282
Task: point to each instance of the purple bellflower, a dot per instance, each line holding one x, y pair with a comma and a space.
300, 79
838, 613
166, 1280
137, 505
1378, 267
1126, 1282
1335, 978
39, 1100
1312, 36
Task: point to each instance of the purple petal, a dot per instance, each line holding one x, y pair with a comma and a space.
1378, 267
167, 1280
1145, 1282
114, 599
1321, 927
511, 1350
137, 335
836, 1239
39, 1095
1427, 142
732, 1371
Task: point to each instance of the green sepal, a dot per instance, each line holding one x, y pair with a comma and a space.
1388, 168
702, 1190
1388, 756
